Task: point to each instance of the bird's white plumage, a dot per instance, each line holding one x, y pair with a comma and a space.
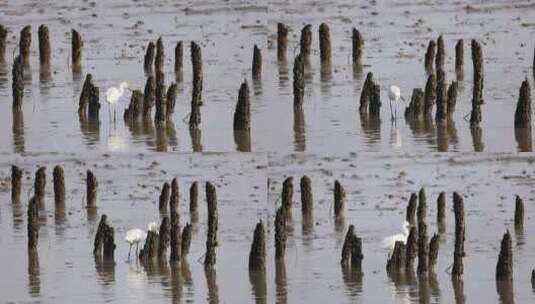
390, 242
134, 236
113, 94
152, 226
394, 93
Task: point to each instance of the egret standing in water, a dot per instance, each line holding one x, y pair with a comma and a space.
394, 94
113, 95
134, 236
390, 242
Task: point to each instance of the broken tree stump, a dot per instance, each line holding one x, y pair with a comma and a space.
306, 41
441, 98
415, 109
33, 224
185, 241
163, 199
24, 45
339, 199
325, 44
104, 244
358, 45
17, 84
150, 248
282, 41
299, 81
412, 248
430, 94
91, 189
257, 255
16, 184
160, 56
411, 209
421, 211
179, 58
76, 45
519, 212
396, 262
149, 96
452, 98
280, 233
160, 100
352, 251
135, 108
287, 196
423, 250
193, 201
459, 60
433, 252
307, 202
211, 240
39, 187
170, 102
59, 187
441, 54
430, 57
196, 95
3, 35
523, 106
504, 267
44, 46
441, 212
458, 254
242, 114
148, 60
257, 63
163, 238
477, 93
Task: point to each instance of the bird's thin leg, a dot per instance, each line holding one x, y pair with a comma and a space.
114, 116
129, 249
109, 111
391, 112
137, 249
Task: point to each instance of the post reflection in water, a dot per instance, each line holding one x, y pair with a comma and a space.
477, 138
281, 285
371, 125
352, 281
299, 130
18, 217
90, 129
105, 268
18, 131
211, 284
177, 281
196, 142
242, 139
161, 139
257, 278
524, 139
458, 290
505, 291
405, 285
34, 274
307, 229
283, 73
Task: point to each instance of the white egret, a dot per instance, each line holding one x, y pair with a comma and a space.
152, 226
390, 242
394, 94
113, 95
134, 236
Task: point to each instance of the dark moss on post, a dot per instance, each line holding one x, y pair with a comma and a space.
459, 59
280, 233
135, 108
59, 186
211, 240
504, 267
433, 251
163, 199
91, 189
441, 212
339, 199
519, 213
33, 224
412, 248
307, 202
325, 44
3, 35
44, 46
282, 41
442, 102
458, 254
430, 93
523, 106
452, 98
421, 211
257, 63
410, 217
257, 255
415, 110
170, 99
16, 184
358, 46
24, 45
193, 201
148, 60
17, 83
299, 81
185, 240
76, 44
160, 56
423, 250
396, 262
430, 57
196, 95
441, 54
163, 238
161, 103
179, 58
306, 41
149, 96
39, 187
242, 114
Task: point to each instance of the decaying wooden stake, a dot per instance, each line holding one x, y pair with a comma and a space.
59, 187
352, 251
477, 94
76, 44
358, 46
3, 35
433, 251
257, 63
415, 110
441, 54
160, 56
441, 212
307, 202
196, 95
504, 267
149, 96
211, 240
412, 248
16, 184
459, 59
24, 45
179, 58
44, 46
242, 114
458, 254
396, 262
185, 240
421, 211
33, 224
135, 108
160, 99
452, 98
193, 201
430, 93
519, 213
280, 233
257, 255
17, 84
325, 44
163, 199
306, 41
367, 88
150, 249
423, 250
282, 41
299, 81
163, 238
523, 106
91, 189
430, 57
411, 209
170, 100
441, 101
39, 187
149, 58
339, 199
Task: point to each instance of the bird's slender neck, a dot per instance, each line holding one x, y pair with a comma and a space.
121, 90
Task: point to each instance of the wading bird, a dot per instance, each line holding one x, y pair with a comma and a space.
152, 226
394, 94
113, 95
134, 236
390, 242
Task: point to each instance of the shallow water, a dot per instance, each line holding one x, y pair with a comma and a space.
377, 186
116, 34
